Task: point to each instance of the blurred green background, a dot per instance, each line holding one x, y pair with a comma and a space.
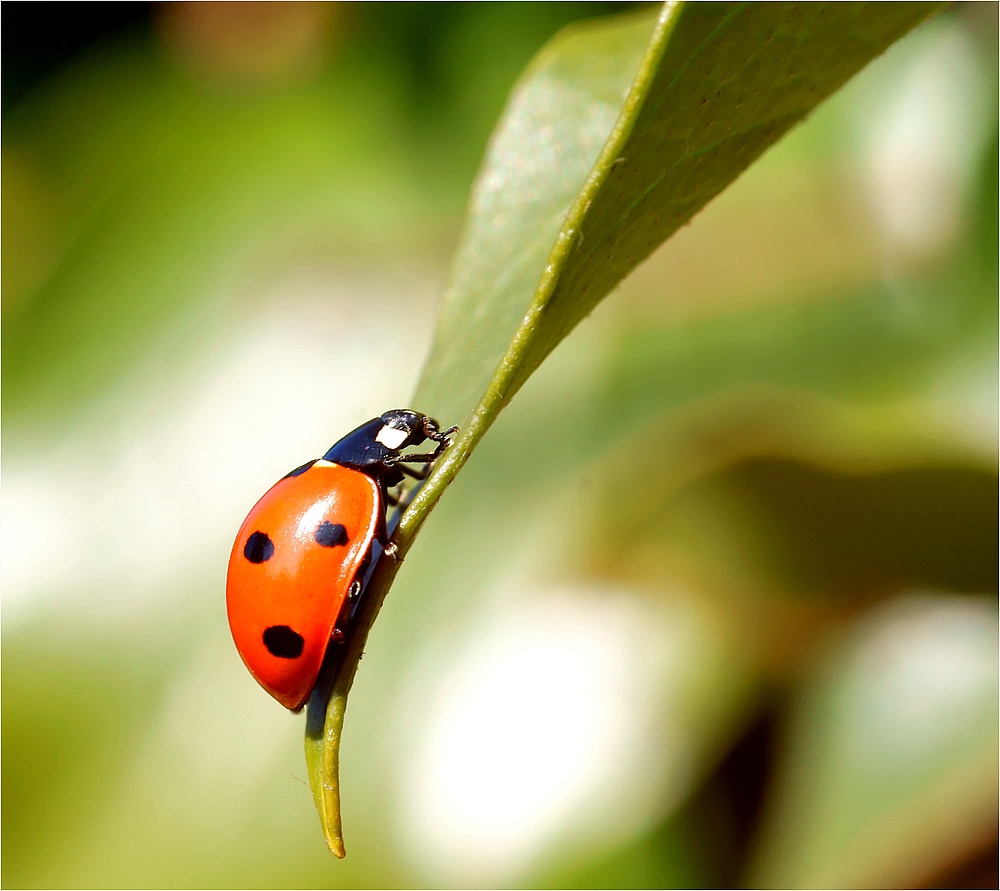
714, 603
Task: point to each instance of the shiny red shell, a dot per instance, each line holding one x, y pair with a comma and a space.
290, 572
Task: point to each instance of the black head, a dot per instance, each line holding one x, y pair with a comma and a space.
376, 447
417, 427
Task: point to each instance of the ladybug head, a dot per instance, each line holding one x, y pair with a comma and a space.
408, 428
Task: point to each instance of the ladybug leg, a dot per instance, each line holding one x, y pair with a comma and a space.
339, 634
381, 536
426, 458
414, 473
431, 431
388, 547
354, 591
442, 439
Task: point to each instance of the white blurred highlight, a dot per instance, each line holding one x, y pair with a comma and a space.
926, 666
553, 727
150, 489
923, 139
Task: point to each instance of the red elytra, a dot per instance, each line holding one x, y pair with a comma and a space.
303, 572
300, 555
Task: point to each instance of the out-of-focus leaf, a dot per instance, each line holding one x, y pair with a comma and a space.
891, 770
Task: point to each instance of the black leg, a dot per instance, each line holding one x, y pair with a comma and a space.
381, 536
426, 458
431, 431
413, 473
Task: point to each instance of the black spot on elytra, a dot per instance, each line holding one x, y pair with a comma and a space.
331, 534
259, 548
301, 469
282, 642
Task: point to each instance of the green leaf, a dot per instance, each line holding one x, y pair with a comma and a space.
717, 85
618, 133
544, 147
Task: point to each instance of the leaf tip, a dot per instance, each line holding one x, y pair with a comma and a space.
335, 842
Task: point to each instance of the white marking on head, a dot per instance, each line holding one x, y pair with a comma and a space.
322, 463
391, 437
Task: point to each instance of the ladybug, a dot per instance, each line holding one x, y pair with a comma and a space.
298, 562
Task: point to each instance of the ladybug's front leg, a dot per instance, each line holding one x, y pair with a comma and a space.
382, 537
432, 431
